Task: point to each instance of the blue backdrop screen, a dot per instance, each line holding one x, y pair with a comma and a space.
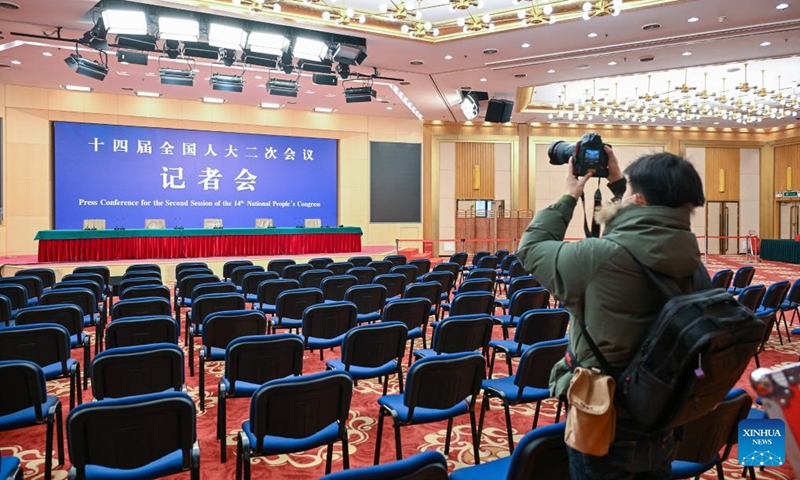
128, 174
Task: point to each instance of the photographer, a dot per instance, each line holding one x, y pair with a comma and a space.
600, 283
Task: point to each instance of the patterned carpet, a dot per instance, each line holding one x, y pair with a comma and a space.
28, 444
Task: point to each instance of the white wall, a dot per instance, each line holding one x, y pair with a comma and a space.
447, 195
697, 157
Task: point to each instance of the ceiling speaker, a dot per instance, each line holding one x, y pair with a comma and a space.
499, 111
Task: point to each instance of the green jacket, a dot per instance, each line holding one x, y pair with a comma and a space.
598, 280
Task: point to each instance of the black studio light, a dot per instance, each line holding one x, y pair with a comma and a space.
359, 94
283, 88
226, 83
87, 68
349, 55
176, 76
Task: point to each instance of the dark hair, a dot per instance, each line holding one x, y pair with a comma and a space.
666, 180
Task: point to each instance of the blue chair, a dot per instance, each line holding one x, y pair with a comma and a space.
230, 265
277, 265
138, 279
138, 370
460, 333
290, 305
31, 283
708, 440
791, 304
741, 279
251, 362
295, 270
5, 312
145, 291
140, 437
369, 300
488, 273
475, 259
325, 325
394, 282
382, 267
313, 278
17, 297
370, 351
541, 453
772, 301
396, 259
522, 301
138, 267
430, 290
27, 404
82, 297
132, 331
530, 384
47, 275
238, 274
423, 265
722, 279
510, 268
182, 295
203, 306
365, 275
320, 262
537, 325
437, 388
446, 278
470, 303
251, 282
360, 260
514, 285
296, 414
140, 307
430, 465
268, 291
409, 271
750, 296
9, 468
48, 346
414, 313
474, 285
335, 287
339, 268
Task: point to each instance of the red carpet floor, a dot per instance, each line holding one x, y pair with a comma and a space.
28, 444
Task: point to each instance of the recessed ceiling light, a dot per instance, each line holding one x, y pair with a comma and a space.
592, 35
76, 88
483, 79
686, 54
583, 67
270, 105
526, 45
258, 77
148, 94
612, 63
329, 95
693, 19
123, 73
716, 123
323, 110
388, 108
151, 74
782, 6
416, 63
448, 57
310, 92
763, 44
47, 54
551, 71
212, 100
16, 62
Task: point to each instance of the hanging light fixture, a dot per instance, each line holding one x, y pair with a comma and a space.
536, 15
601, 8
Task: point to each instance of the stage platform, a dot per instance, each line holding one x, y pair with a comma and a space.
9, 265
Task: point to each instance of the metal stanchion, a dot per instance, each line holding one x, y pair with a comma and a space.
397, 245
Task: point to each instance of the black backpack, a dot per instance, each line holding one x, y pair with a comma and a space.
691, 357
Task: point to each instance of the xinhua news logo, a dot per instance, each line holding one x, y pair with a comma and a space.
762, 443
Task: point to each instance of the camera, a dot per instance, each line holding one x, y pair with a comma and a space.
589, 154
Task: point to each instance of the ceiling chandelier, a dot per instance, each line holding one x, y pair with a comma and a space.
536, 16
343, 16
420, 29
464, 4
401, 10
474, 23
257, 6
601, 8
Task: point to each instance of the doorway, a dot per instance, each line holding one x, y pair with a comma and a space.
788, 219
722, 220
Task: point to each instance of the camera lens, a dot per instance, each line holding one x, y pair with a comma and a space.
560, 151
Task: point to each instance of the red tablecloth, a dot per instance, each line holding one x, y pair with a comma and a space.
98, 249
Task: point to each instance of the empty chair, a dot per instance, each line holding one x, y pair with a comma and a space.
534, 326
530, 384
319, 263
230, 265
93, 284
182, 296
522, 301
188, 265
451, 267
396, 259
32, 285
409, 271
290, 306
487, 261
395, 283
250, 362
365, 275
10, 468
150, 267
48, 346
446, 279
83, 298
360, 261
473, 285
188, 272
429, 465
17, 297
414, 313
515, 270
501, 254
325, 325
476, 258
339, 268
791, 304
268, 292
205, 305
140, 307
488, 273
131, 282
47, 275
722, 279
751, 296
371, 351
772, 301
209, 288
238, 274
252, 280
381, 267
743, 278
137, 370
514, 285
277, 265
423, 265
437, 388
98, 431
219, 330
296, 414
294, 271
132, 331
460, 258
146, 291
369, 301
313, 278
469, 303
334, 287
460, 333
27, 404
430, 290
154, 274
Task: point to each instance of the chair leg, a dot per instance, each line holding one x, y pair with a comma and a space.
191, 356
378, 439
60, 433
221, 435
491, 362
510, 366
447, 436
48, 449
239, 456
329, 459
484, 408
476, 439
720, 471
758, 364
509, 432
785, 327
398, 444
536, 414
411, 351
400, 375
345, 450
320, 354
202, 385
72, 394
778, 327
87, 350
385, 384
246, 460
752, 471
505, 332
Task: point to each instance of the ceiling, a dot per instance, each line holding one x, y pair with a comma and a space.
529, 65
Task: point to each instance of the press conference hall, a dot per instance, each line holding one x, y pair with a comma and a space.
350, 239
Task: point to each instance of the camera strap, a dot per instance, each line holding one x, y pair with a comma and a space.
593, 232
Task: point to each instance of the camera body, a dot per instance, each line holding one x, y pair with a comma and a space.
589, 154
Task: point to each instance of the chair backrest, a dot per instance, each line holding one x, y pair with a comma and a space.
187, 284
489, 261
140, 307
423, 265
541, 453
478, 255
238, 273
252, 280
451, 267
127, 283
227, 267
488, 273
298, 407
443, 381
501, 254
722, 279
475, 285
541, 325
396, 259
395, 283
409, 271
209, 288
414, 312
93, 286
148, 267
313, 278
328, 320
430, 290
775, 294
193, 271
137, 370
516, 269
82, 297
365, 275
33, 285
374, 344
221, 328
536, 363
5, 310
339, 268
320, 262
472, 303
16, 294
334, 287
367, 298
462, 333
29, 387
188, 266
459, 258
360, 260
260, 358
47, 275
506, 261
294, 271
205, 305
445, 278
142, 291
744, 276
751, 296
43, 344
793, 296
141, 274
292, 303
144, 330
103, 433
382, 267
718, 429
269, 290
429, 465
68, 316
528, 299
522, 282
277, 265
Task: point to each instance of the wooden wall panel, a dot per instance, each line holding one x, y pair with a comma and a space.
787, 156
468, 155
726, 159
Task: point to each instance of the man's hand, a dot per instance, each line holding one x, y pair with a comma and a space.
614, 173
575, 185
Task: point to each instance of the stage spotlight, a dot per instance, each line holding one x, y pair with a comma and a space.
172, 49
284, 88
267, 43
226, 36
260, 59
88, 68
349, 55
175, 76
316, 67
96, 37
183, 29
309, 49
285, 63
133, 22
226, 83
469, 107
343, 70
227, 57
200, 50
359, 94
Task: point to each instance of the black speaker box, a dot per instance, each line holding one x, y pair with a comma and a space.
499, 111
321, 79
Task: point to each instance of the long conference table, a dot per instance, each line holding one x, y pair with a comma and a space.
100, 245
780, 250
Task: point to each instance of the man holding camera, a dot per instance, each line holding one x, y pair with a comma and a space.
603, 286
